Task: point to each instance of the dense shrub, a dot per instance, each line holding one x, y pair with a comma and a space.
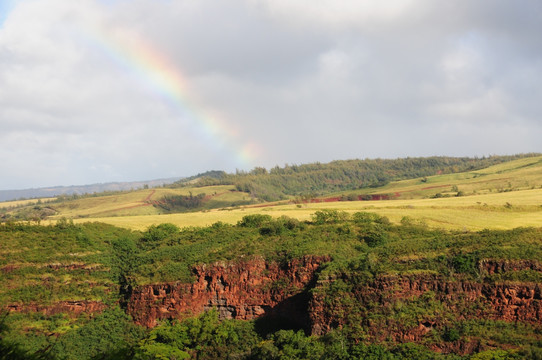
254, 221
328, 216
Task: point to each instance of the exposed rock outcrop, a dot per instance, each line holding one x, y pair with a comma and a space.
254, 288
496, 266
521, 302
72, 307
245, 290
290, 292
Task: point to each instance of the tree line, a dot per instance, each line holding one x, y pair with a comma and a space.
279, 183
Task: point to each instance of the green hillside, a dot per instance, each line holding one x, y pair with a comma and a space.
401, 179
442, 266
128, 203
502, 196
320, 179
50, 273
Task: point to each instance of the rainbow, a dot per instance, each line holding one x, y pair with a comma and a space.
163, 78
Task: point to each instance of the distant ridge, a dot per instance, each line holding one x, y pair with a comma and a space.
7, 195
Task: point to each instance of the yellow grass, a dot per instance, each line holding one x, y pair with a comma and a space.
461, 213
520, 174
136, 203
503, 196
6, 204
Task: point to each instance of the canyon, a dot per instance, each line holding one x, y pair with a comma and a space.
293, 293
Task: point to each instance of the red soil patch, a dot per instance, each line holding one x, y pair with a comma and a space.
147, 202
148, 198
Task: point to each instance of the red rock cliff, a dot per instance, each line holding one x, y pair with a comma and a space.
255, 288
246, 289
512, 302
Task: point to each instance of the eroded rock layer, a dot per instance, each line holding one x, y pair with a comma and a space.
72, 307
433, 302
245, 290
254, 288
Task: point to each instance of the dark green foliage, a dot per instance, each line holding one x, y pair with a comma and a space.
329, 216
10, 350
465, 263
204, 337
110, 335
375, 236
364, 249
450, 334
125, 261
64, 223
156, 233
254, 221
208, 178
366, 217
279, 226
288, 344
180, 203
418, 352
533, 352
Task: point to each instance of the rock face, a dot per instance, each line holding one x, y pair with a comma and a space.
492, 266
255, 288
242, 290
293, 294
511, 302
73, 307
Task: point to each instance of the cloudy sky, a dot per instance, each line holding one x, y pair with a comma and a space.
102, 90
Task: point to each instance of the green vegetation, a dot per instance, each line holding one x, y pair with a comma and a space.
319, 179
41, 265
383, 294
462, 183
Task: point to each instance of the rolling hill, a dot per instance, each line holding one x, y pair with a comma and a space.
501, 196
10, 195
442, 266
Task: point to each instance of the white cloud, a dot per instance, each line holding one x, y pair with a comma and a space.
293, 81
337, 14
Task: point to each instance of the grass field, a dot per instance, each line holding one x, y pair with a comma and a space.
493, 211
519, 174
8, 204
139, 202
503, 196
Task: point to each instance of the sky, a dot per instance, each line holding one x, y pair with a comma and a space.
95, 91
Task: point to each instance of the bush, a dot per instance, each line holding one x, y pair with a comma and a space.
328, 216
110, 335
156, 233
375, 237
450, 334
465, 263
365, 217
254, 221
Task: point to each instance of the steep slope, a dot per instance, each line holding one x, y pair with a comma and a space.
360, 279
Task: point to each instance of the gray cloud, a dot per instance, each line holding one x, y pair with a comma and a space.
282, 80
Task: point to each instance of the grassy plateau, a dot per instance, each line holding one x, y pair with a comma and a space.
502, 196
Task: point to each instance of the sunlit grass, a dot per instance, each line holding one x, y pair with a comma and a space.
7, 204
139, 202
519, 174
503, 196
492, 211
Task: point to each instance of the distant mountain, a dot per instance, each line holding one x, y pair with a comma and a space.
6, 195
